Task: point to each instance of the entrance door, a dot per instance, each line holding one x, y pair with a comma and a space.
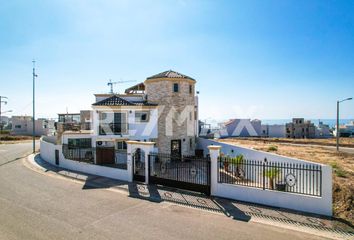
105, 156
176, 148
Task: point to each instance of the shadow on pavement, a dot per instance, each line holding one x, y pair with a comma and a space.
240, 211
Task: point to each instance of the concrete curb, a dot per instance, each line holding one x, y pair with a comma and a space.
65, 174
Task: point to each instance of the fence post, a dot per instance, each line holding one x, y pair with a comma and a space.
214, 152
264, 163
326, 185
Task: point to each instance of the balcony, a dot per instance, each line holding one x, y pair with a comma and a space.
113, 129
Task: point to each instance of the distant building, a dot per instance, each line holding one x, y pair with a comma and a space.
23, 125
73, 122
346, 130
241, 128
204, 129
323, 131
299, 128
4, 121
273, 131
85, 119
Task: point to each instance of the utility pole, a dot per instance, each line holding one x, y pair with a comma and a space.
5, 102
338, 130
33, 119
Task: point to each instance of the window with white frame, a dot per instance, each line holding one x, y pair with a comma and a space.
121, 146
113, 123
141, 116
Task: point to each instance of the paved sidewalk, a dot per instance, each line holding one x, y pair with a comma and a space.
234, 209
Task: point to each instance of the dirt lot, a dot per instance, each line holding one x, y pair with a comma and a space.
342, 163
344, 142
6, 138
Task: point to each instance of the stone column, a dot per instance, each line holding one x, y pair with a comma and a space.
214, 152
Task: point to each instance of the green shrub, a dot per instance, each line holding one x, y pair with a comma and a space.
272, 148
272, 173
340, 173
338, 170
334, 165
237, 160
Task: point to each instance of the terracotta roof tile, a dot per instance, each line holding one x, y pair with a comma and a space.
117, 101
170, 74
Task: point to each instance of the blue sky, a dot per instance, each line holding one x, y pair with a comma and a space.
252, 59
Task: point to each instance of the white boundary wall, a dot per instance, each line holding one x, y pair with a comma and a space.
47, 152
318, 205
249, 153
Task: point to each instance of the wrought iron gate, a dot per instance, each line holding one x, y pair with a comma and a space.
187, 172
138, 167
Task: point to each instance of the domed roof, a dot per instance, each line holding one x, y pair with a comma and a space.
170, 74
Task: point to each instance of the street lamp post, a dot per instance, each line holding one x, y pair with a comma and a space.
338, 131
5, 102
33, 120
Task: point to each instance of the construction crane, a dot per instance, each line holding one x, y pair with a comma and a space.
110, 84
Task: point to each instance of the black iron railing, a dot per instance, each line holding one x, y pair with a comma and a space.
113, 128
79, 154
279, 176
116, 160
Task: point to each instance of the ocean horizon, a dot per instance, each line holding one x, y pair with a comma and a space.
330, 122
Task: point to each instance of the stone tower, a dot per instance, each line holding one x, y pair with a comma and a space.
177, 124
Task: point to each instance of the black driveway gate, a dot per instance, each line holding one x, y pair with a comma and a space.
186, 172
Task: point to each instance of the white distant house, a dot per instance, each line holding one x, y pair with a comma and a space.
23, 125
250, 128
346, 130
240, 128
323, 131
273, 131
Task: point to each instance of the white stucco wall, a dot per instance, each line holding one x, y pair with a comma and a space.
248, 153
47, 152
276, 131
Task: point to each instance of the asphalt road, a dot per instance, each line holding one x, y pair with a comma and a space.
37, 206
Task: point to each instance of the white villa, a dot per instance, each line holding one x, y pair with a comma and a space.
162, 109
149, 134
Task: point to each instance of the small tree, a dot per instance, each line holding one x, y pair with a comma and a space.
237, 161
225, 160
272, 174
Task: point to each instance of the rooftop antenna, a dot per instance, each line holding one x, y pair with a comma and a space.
110, 84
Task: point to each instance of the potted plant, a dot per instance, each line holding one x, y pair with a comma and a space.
237, 161
280, 186
225, 162
271, 174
